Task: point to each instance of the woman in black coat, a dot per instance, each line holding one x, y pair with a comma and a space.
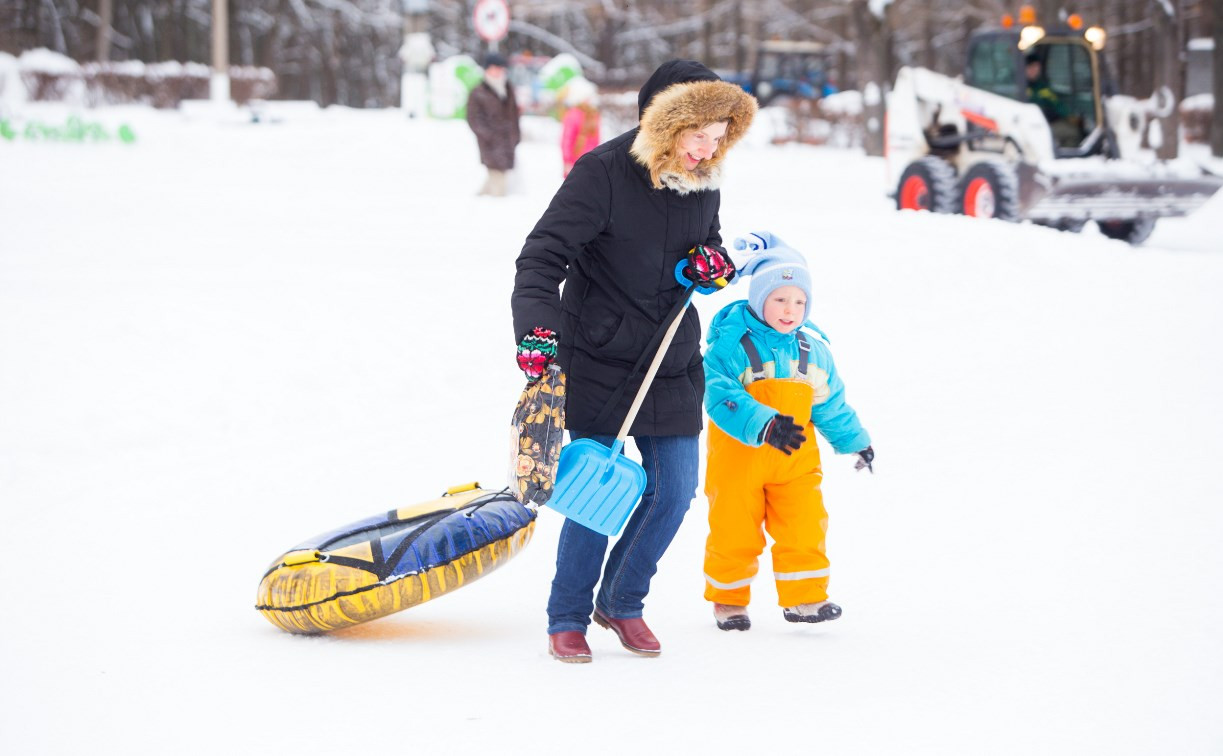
628, 213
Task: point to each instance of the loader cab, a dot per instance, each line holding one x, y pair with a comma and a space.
790, 69
1067, 83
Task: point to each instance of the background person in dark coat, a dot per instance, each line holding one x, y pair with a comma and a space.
492, 113
628, 213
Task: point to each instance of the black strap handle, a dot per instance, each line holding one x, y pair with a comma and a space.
753, 355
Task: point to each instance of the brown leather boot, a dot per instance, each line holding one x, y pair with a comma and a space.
569, 646
633, 634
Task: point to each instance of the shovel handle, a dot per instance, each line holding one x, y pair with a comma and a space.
653, 369
616, 446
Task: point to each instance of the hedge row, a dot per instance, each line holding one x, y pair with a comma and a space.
162, 85
1196, 115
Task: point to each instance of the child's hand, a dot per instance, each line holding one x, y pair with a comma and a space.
784, 434
865, 458
536, 352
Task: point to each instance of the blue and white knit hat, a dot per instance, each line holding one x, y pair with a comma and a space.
772, 266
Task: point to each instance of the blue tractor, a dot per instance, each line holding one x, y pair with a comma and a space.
786, 69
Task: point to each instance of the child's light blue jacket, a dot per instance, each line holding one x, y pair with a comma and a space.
728, 371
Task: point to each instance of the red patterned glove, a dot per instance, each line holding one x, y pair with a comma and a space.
536, 352
709, 266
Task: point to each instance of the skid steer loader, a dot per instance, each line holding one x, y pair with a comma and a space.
1034, 131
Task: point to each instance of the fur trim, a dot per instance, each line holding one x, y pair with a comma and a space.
680, 107
683, 181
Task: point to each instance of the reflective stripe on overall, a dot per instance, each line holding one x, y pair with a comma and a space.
748, 487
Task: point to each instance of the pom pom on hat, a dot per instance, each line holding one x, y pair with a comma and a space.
757, 241
578, 91
772, 266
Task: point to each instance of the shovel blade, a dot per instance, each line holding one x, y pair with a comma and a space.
595, 488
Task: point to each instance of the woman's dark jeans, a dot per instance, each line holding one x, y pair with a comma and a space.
671, 477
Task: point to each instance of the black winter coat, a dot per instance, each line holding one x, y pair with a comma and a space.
614, 241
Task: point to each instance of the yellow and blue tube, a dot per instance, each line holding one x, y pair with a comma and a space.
393, 561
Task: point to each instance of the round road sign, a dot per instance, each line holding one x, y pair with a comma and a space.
491, 19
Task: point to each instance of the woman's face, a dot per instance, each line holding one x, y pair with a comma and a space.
696, 145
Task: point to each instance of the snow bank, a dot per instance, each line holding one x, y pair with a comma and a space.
48, 61
1204, 101
47, 76
846, 103
12, 90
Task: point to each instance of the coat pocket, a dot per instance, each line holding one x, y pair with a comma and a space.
602, 331
634, 336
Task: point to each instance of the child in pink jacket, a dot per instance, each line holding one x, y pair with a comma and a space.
580, 125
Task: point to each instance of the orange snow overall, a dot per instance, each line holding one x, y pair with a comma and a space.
749, 486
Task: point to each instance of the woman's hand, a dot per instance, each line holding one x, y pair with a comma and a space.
709, 266
536, 352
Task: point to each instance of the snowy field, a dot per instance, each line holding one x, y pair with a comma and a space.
228, 337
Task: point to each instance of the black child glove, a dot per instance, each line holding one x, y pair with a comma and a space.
865, 458
709, 266
783, 433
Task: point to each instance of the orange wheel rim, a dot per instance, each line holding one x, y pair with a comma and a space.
914, 194
979, 199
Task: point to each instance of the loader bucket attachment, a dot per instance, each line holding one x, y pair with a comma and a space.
1099, 198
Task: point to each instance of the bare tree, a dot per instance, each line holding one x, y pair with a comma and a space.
1216, 123
106, 17
1169, 73
874, 60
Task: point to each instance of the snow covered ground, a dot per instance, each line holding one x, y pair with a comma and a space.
228, 337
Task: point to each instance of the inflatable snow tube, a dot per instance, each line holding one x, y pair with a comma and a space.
389, 562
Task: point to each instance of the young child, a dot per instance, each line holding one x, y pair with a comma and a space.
580, 125
769, 378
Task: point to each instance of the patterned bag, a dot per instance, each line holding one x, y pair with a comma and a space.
537, 434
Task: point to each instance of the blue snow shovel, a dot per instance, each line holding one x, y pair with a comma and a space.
597, 486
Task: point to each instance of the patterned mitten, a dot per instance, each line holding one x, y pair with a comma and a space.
709, 266
536, 352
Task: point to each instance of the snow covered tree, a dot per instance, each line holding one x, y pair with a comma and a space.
346, 51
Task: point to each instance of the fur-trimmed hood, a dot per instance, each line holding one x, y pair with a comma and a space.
682, 95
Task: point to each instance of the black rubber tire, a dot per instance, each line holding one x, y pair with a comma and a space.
989, 189
1134, 231
927, 184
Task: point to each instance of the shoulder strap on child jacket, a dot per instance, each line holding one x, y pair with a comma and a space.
753, 355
